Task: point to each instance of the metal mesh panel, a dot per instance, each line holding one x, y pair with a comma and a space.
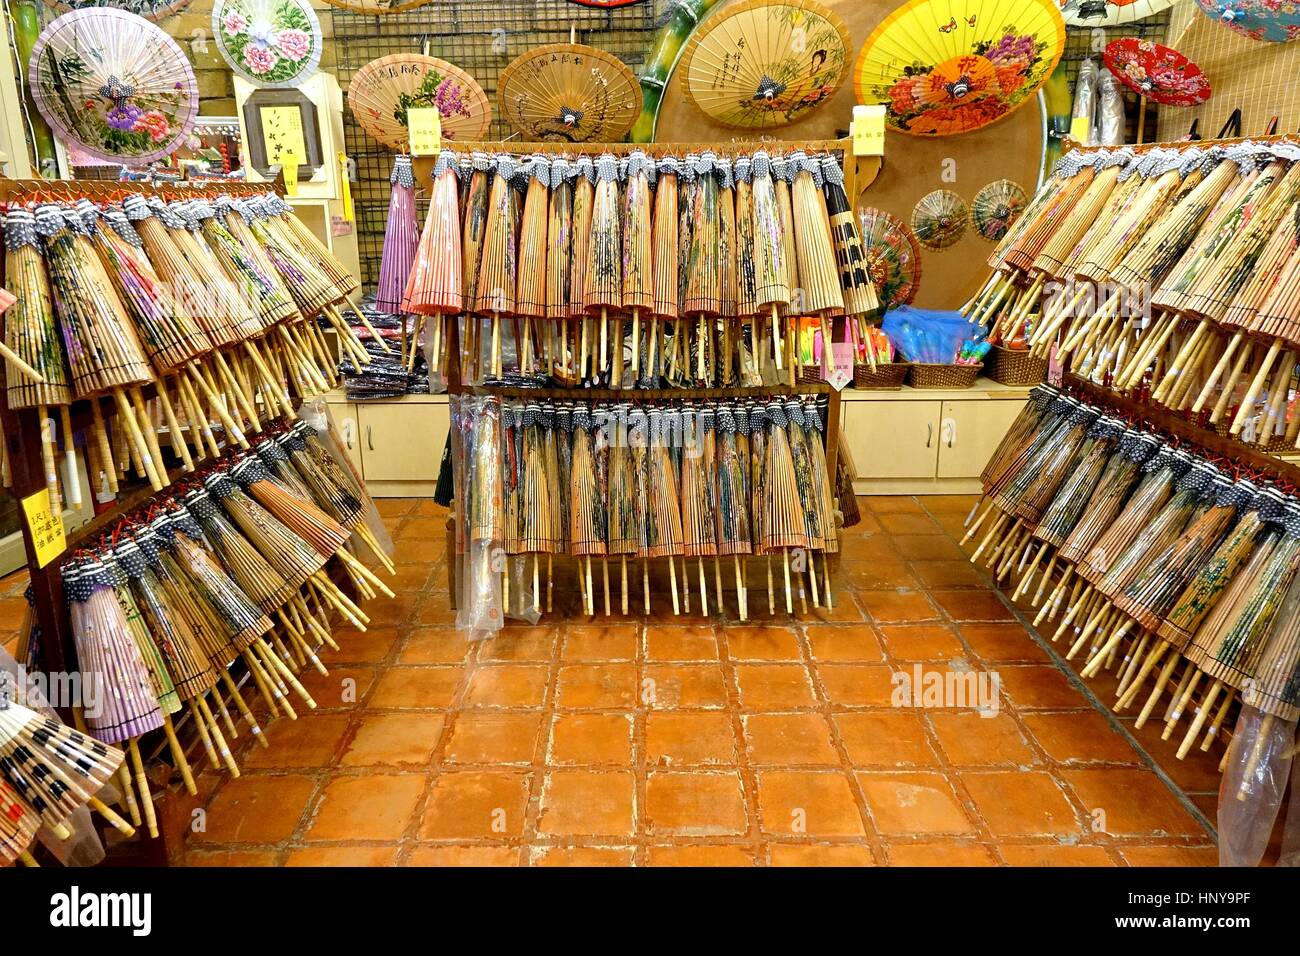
481, 37
1084, 42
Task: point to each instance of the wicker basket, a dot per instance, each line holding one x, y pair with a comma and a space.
925, 375
1014, 367
810, 375
887, 375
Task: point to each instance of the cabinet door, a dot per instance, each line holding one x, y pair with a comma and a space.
892, 439
402, 442
969, 433
344, 416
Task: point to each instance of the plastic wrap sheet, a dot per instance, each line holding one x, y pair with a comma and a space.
476, 462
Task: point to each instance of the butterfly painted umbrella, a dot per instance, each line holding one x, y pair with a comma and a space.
943, 68
1265, 20
271, 43
381, 92
114, 84
569, 92
760, 64
1156, 72
1109, 13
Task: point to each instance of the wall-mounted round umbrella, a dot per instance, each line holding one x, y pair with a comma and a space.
570, 92
1109, 13
114, 84
604, 4
1156, 72
274, 43
760, 64
377, 8
1258, 19
893, 256
939, 219
381, 92
942, 71
995, 207
149, 9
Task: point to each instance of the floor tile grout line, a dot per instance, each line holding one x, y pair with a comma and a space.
1080, 685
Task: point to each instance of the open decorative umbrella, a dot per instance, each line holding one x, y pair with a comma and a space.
149, 9
942, 70
275, 43
939, 219
114, 84
995, 207
760, 64
570, 92
377, 8
1156, 72
380, 93
1109, 13
1257, 19
893, 256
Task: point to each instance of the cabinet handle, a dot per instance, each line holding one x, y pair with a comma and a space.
348, 427
929, 433
950, 426
370, 438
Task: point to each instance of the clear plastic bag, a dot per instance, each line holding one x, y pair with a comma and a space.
1250, 794
476, 463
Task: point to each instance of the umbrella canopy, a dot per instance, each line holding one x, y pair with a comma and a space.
939, 219
1157, 72
149, 9
401, 236
940, 74
995, 207
760, 64
1109, 13
274, 43
1257, 19
892, 254
569, 92
380, 93
114, 84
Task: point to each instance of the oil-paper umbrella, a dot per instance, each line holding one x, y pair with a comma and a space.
893, 256
939, 219
995, 207
569, 92
114, 84
401, 236
1156, 72
149, 9
1109, 13
1257, 19
274, 43
942, 69
381, 92
434, 285
760, 64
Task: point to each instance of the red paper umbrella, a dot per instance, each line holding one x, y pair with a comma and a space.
604, 4
1157, 72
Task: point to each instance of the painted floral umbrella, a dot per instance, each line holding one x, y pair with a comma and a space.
1266, 20
759, 64
1156, 72
569, 92
995, 207
381, 92
944, 67
273, 43
1109, 13
893, 256
149, 9
114, 84
939, 219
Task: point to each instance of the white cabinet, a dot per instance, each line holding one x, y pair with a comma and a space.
396, 443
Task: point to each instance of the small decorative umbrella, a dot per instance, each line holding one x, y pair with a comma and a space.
995, 207
380, 93
761, 64
569, 92
939, 219
942, 71
114, 84
1257, 19
1155, 72
860, 294
892, 254
272, 43
401, 236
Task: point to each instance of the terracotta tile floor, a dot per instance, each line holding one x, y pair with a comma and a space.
672, 741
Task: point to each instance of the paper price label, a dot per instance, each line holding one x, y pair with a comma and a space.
424, 129
1079, 129
289, 169
46, 527
868, 130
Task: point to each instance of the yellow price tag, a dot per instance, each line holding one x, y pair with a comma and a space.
345, 169
46, 527
868, 130
282, 132
289, 169
424, 127
1079, 129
